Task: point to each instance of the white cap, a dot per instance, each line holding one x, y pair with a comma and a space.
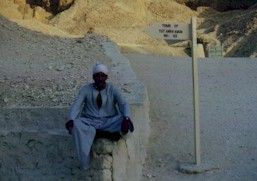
100, 68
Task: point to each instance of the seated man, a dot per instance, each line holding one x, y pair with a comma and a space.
99, 107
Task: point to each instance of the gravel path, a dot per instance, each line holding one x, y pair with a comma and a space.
228, 101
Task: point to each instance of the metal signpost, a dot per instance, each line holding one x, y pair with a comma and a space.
179, 32
196, 93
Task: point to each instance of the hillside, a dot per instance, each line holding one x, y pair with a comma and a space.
124, 22
41, 70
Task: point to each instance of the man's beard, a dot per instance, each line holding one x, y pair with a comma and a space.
100, 84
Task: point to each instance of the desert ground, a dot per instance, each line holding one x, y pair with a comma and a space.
35, 53
227, 116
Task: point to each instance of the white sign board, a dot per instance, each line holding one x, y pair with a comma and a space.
169, 31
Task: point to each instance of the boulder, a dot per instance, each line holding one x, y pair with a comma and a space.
26, 11
41, 14
20, 2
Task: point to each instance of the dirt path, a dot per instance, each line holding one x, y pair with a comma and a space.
227, 116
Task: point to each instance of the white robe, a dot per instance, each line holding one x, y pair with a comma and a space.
88, 117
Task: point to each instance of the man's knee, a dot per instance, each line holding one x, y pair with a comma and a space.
76, 124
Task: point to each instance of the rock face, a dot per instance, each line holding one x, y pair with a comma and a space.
52, 6
56, 6
41, 10
214, 19
220, 5
64, 4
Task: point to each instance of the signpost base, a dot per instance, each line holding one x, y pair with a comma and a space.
196, 169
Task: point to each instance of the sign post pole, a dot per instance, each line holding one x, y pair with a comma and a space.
196, 93
174, 32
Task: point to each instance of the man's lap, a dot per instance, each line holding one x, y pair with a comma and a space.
111, 124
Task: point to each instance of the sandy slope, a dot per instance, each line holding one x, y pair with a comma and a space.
39, 70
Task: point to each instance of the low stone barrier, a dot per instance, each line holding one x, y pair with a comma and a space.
35, 144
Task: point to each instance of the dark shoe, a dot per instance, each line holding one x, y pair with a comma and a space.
115, 136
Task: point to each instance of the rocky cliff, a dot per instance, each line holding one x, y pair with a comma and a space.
124, 22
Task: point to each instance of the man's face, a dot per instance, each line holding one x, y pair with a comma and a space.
100, 79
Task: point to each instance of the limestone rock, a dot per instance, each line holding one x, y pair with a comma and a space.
64, 4
102, 162
20, 2
26, 11
103, 146
103, 175
41, 14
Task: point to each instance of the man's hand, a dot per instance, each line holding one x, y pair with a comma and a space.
69, 126
125, 125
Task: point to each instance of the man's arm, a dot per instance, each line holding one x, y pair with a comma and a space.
75, 109
77, 105
124, 108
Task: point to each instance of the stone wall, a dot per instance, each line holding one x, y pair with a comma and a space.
35, 144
